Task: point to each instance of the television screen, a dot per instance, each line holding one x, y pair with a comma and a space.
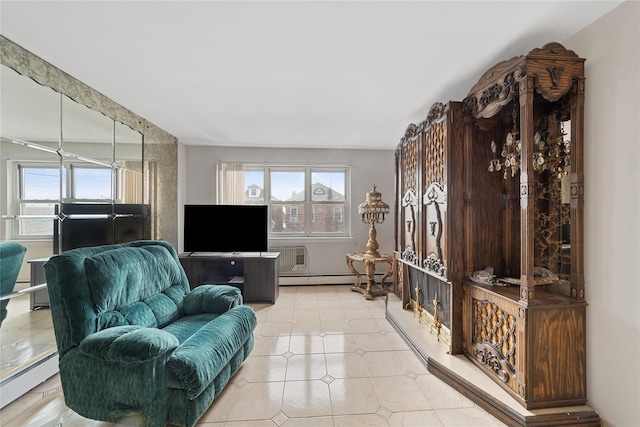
225, 228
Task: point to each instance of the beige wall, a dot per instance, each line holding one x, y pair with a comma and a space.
368, 167
611, 47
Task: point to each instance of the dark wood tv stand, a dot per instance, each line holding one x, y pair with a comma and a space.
255, 273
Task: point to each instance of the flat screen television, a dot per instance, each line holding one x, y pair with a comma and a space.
225, 228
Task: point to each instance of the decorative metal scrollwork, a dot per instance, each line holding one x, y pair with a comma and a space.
432, 227
435, 264
409, 255
436, 112
410, 200
412, 130
435, 195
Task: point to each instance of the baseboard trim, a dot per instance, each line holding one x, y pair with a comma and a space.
333, 279
29, 377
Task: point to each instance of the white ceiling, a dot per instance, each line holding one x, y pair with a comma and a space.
346, 74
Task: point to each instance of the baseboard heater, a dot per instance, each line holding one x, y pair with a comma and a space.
322, 279
294, 269
334, 279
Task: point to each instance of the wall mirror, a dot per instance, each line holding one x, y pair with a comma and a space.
552, 167
70, 176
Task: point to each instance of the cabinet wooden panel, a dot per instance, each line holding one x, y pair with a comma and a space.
430, 204
256, 274
529, 348
260, 275
408, 196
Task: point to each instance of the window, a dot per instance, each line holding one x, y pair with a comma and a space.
293, 216
254, 186
90, 183
291, 192
37, 183
337, 213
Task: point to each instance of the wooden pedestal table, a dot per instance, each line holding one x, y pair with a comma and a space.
371, 289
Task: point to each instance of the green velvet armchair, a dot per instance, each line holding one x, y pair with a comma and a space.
136, 345
11, 257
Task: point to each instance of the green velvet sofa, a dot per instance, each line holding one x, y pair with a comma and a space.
137, 346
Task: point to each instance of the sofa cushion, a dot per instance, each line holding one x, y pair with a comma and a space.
186, 327
198, 360
138, 313
212, 299
131, 280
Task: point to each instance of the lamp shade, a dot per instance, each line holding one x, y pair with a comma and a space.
373, 209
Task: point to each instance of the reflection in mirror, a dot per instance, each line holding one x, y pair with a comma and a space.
88, 152
30, 112
32, 185
27, 336
551, 165
128, 158
58, 158
565, 213
30, 138
86, 213
31, 192
133, 219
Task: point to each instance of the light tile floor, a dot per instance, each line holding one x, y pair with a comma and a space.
324, 356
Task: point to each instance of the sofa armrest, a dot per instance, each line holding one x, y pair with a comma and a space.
128, 344
212, 299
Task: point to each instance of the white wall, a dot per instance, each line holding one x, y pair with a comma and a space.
611, 46
327, 256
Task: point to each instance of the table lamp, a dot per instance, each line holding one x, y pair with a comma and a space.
373, 210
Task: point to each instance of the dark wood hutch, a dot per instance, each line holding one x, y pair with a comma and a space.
489, 236
429, 210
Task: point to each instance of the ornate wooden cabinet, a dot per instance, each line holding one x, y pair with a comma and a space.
489, 236
524, 320
429, 216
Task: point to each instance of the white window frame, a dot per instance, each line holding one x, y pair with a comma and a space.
308, 202
71, 171
338, 214
18, 190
